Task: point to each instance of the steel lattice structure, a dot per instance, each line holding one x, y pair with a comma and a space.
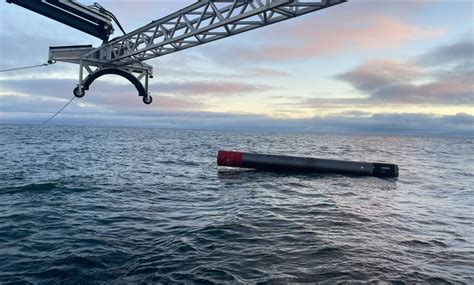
202, 22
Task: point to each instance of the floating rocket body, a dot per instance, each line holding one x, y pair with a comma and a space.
282, 163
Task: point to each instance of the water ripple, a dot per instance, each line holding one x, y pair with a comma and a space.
95, 206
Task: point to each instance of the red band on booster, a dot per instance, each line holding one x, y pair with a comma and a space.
229, 158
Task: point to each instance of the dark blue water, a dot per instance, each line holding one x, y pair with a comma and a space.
92, 205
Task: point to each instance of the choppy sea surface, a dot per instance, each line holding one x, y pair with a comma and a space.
117, 205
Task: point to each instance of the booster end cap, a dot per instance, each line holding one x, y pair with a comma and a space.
385, 170
229, 158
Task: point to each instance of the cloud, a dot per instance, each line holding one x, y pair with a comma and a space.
39, 95
341, 29
26, 46
454, 61
106, 94
57, 87
265, 72
39, 87
353, 122
384, 82
370, 75
460, 51
420, 82
403, 123
221, 87
369, 33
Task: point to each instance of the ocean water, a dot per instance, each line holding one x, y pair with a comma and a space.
117, 205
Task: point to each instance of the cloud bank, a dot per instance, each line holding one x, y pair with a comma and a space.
355, 122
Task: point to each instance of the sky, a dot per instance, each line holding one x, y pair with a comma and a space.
385, 66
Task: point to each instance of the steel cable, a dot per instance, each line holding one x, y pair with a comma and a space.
60, 110
25, 67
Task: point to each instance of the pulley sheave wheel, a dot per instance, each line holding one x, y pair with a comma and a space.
147, 99
79, 92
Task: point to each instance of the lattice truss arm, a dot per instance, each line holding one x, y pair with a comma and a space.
200, 23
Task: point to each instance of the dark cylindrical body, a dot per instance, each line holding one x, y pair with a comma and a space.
63, 12
304, 164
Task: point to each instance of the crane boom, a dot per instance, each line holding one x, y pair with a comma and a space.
199, 23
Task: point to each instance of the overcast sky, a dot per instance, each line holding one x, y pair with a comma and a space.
401, 66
